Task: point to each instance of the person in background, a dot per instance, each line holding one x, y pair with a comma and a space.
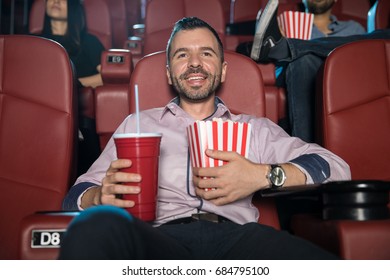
196, 218
326, 24
301, 60
65, 23
301, 88
298, 76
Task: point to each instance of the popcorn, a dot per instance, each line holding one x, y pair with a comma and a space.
217, 135
296, 24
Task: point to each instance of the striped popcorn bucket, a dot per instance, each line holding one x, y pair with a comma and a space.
296, 25
217, 135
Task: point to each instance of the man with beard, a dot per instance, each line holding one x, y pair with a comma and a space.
195, 67
325, 24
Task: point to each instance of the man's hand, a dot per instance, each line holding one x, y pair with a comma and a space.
235, 180
112, 187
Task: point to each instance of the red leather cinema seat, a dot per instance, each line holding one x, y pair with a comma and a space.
119, 23
161, 15
112, 98
38, 132
98, 18
244, 10
242, 20
275, 97
354, 123
356, 10
355, 117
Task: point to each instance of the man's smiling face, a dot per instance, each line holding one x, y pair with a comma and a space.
195, 67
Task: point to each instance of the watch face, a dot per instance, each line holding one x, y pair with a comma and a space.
277, 176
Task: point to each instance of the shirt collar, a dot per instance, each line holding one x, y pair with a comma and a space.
333, 20
221, 111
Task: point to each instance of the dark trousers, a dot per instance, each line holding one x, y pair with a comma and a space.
106, 232
299, 79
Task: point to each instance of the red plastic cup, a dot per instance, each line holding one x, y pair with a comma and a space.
144, 151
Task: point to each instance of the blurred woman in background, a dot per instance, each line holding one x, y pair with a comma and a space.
65, 23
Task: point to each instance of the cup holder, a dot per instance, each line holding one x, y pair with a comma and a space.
355, 200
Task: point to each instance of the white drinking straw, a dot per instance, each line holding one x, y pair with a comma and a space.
137, 108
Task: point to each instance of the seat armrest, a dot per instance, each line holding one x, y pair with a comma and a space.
112, 107
87, 102
355, 220
135, 45
41, 234
139, 30
293, 190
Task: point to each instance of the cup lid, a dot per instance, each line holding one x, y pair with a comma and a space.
137, 135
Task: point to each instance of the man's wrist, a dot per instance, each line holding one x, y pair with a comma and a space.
91, 197
277, 176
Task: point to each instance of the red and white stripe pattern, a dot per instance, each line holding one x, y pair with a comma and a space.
217, 135
296, 25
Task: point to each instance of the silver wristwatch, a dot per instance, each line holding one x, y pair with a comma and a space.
276, 176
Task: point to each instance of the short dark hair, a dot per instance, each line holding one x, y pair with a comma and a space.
191, 23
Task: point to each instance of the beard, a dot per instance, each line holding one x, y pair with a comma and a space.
319, 8
196, 93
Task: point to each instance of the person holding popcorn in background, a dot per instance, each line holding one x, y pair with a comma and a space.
313, 34
197, 217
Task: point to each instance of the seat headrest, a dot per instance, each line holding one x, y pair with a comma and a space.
117, 66
242, 91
